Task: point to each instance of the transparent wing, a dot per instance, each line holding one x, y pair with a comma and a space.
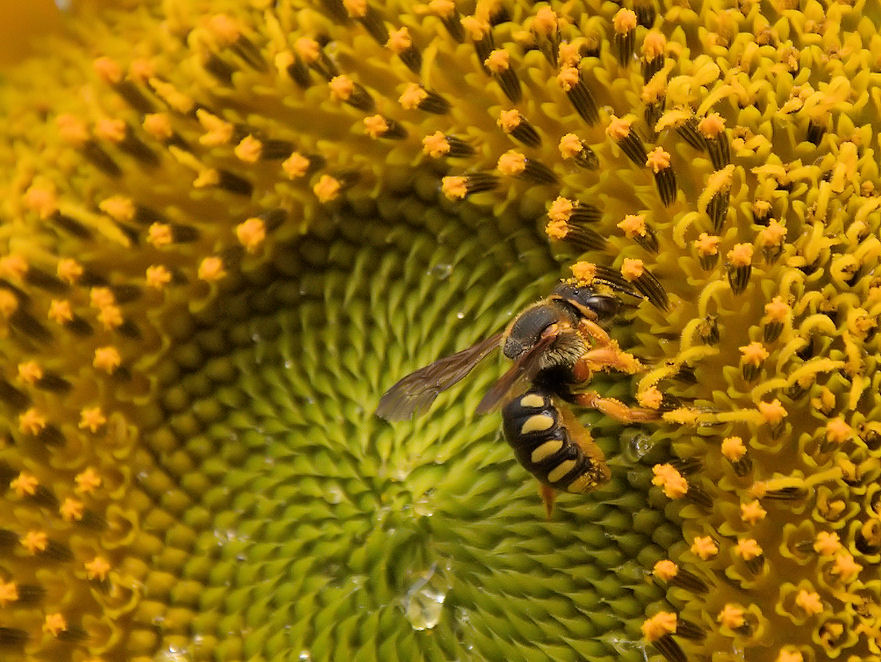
525, 368
415, 392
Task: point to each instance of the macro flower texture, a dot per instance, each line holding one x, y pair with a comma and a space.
227, 227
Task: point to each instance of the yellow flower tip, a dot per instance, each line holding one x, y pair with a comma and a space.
308, 49
141, 70
110, 129
748, 549
249, 149
413, 95
584, 272
545, 22
13, 266
633, 225
704, 547
107, 359
475, 27
733, 448
211, 269
665, 570
35, 541
101, 297
158, 277
498, 61
624, 21
41, 199
97, 568
327, 188
118, 207
846, 567
707, 244
654, 45
658, 160
25, 484
711, 125
557, 229
682, 416
789, 656
217, 131
659, 625
110, 317
87, 481
810, 602
560, 209
224, 27
399, 40
356, 8
651, 398
511, 163
670, 480
72, 129
442, 8
341, 87
752, 512
435, 145
92, 419
69, 270
283, 61
569, 54
30, 372
509, 120
376, 126
632, 268
454, 187
673, 119
838, 431
777, 311
54, 624
60, 311
159, 235
772, 235
71, 510
251, 233
31, 421
618, 128
741, 255
296, 165
570, 146
108, 69
731, 616
827, 543
772, 412
753, 354
761, 208
8, 592
568, 77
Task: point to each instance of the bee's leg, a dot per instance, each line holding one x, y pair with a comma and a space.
594, 332
615, 408
548, 495
599, 472
609, 356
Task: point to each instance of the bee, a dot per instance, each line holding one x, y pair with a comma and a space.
556, 345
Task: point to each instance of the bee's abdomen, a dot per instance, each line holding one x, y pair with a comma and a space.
543, 445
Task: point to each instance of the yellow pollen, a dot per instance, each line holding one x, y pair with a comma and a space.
206, 177
846, 567
570, 146
35, 541
673, 483
511, 163
633, 225
100, 297
249, 149
569, 54
413, 95
789, 656
141, 70
283, 60
172, 96
777, 311
442, 8
42, 200
584, 272
707, 244
827, 543
545, 22
455, 187
761, 208
748, 549
217, 131
107, 359
87, 481
110, 317
773, 412
8, 593
509, 120
624, 21
251, 233
356, 8
741, 255
110, 129
54, 624
733, 448
71, 510
8, 303
31, 421
568, 78
225, 28
375, 126
753, 354
561, 209
71, 129
159, 234
158, 125
650, 397
653, 45
618, 128
557, 229
158, 276
658, 160
60, 311
118, 207
838, 431
328, 188
773, 235
711, 125
109, 70
436, 145
211, 269
295, 166
704, 547
810, 602
30, 372
665, 570
475, 27
752, 512
399, 41
91, 419
13, 266
308, 49
498, 61
97, 568
632, 268
341, 87
659, 625
731, 616
25, 484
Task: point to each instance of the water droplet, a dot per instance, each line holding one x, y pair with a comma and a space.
460, 315
639, 445
305, 656
172, 654
441, 271
423, 604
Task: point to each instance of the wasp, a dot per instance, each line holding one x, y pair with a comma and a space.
555, 346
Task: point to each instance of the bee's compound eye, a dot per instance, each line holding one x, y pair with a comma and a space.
604, 306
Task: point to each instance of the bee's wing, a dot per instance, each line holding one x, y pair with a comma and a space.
525, 368
415, 392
